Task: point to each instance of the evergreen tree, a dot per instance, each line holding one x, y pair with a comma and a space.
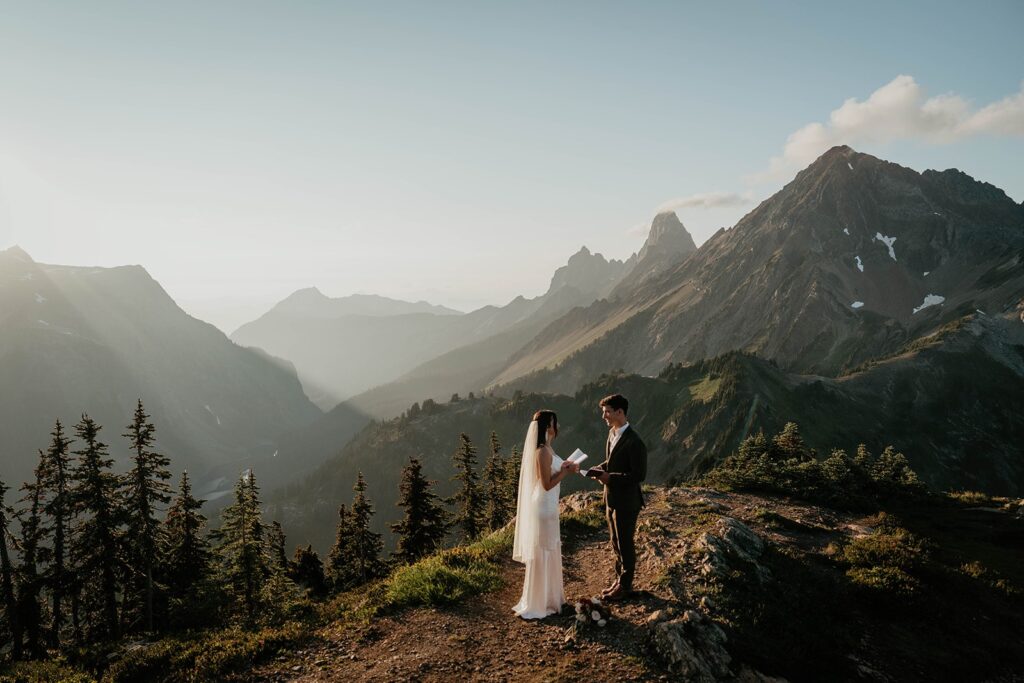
58, 508
789, 444
308, 571
30, 583
7, 576
365, 545
338, 558
892, 472
185, 551
146, 490
278, 557
499, 507
468, 500
512, 466
242, 546
423, 527
96, 533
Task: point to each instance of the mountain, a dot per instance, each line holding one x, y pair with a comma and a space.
952, 402
667, 243
79, 340
340, 350
313, 303
852, 259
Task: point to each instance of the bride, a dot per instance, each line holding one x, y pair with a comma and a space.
537, 541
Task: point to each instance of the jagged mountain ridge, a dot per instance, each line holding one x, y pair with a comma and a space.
812, 278
341, 355
79, 340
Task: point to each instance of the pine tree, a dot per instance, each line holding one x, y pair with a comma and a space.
512, 466
468, 500
892, 472
7, 576
499, 505
96, 534
277, 555
30, 583
338, 558
242, 546
146, 490
308, 571
58, 508
185, 551
366, 545
423, 527
789, 444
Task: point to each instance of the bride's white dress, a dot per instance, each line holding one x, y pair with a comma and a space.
543, 592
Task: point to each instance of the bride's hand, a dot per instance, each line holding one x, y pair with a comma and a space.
568, 466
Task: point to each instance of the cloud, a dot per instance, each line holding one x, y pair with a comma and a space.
899, 110
706, 200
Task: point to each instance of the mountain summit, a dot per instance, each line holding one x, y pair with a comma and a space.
847, 262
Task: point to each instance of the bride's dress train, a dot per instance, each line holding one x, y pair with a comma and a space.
543, 591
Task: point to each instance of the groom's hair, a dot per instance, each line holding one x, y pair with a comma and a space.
615, 402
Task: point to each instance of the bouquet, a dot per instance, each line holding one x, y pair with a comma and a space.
592, 611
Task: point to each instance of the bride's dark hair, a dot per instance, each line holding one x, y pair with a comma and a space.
545, 419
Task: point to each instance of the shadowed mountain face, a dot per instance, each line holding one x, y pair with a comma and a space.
343, 347
79, 340
847, 262
952, 402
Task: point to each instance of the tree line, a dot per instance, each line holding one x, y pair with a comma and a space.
89, 555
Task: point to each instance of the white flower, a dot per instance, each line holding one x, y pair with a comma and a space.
581, 617
602, 622
595, 615
579, 608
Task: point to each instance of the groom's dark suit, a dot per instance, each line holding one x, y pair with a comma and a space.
626, 465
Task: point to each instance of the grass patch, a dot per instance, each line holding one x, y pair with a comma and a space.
43, 672
970, 497
204, 656
704, 389
449, 576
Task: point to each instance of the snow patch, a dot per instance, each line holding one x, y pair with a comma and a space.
926, 273
850, 165
43, 322
40, 298
930, 300
860, 266
856, 304
888, 242
211, 413
275, 454
846, 231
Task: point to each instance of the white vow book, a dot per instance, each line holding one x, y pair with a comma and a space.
577, 457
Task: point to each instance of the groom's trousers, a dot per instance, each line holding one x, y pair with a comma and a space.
622, 528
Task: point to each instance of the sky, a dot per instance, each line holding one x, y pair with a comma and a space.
459, 152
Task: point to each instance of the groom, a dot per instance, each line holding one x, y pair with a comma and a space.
625, 466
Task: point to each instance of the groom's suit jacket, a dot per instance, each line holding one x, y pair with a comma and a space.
626, 465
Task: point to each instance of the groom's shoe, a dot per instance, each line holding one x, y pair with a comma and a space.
610, 589
619, 593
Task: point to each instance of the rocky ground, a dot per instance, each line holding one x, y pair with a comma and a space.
690, 539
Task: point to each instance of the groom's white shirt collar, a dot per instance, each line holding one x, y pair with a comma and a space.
616, 433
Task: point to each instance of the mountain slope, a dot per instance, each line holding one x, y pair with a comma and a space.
953, 403
79, 340
340, 354
850, 260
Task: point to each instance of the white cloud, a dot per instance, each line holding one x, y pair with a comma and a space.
899, 110
640, 229
706, 200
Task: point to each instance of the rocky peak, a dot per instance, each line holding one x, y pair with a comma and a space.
668, 238
17, 253
587, 272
